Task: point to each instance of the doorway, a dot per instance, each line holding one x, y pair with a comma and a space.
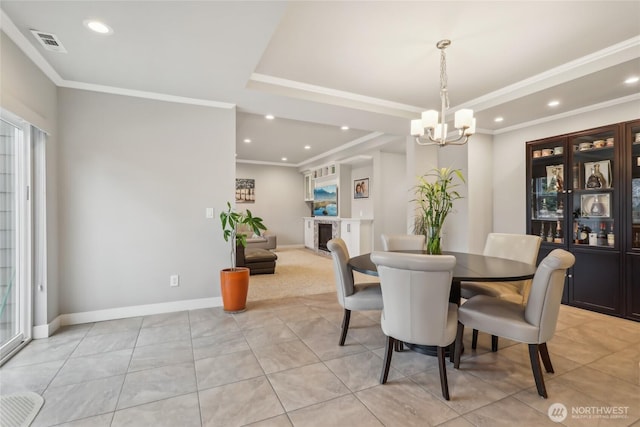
15, 223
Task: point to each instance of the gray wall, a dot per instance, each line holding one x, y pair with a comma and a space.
27, 92
136, 177
279, 200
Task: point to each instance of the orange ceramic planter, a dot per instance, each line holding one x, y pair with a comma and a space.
234, 286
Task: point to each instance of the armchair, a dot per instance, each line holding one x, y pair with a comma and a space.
266, 240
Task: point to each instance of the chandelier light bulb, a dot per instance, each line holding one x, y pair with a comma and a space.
417, 129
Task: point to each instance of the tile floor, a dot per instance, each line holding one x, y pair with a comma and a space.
278, 364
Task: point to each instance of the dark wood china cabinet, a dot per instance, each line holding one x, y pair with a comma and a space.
583, 195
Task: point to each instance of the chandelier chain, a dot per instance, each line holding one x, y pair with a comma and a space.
444, 93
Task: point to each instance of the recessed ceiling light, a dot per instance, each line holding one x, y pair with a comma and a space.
307, 147
247, 141
632, 80
284, 159
269, 117
97, 26
498, 119
345, 128
553, 103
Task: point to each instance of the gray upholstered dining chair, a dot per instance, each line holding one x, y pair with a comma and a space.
415, 295
516, 247
533, 324
363, 296
402, 242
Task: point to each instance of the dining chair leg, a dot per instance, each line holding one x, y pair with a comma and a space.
544, 355
474, 339
388, 352
494, 343
399, 345
345, 325
458, 345
443, 373
537, 372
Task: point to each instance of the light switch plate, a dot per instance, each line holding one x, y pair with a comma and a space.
174, 280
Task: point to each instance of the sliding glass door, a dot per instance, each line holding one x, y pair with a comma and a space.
15, 313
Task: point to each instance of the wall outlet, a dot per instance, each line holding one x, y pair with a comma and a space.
174, 280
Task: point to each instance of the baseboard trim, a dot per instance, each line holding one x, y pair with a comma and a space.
45, 331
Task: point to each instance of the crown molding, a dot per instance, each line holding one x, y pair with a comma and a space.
144, 94
590, 108
596, 61
259, 162
332, 93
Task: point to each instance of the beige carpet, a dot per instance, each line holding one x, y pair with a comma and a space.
298, 272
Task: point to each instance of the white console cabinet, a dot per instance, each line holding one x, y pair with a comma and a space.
309, 238
358, 235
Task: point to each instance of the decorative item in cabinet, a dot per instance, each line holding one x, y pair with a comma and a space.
635, 201
595, 205
555, 178
546, 204
598, 174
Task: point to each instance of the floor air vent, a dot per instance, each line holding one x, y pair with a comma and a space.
49, 41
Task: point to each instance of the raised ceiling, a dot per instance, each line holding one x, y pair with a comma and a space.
319, 65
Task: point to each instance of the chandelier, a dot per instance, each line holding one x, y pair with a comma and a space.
436, 132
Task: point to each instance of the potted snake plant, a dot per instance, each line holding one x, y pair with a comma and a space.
435, 199
234, 281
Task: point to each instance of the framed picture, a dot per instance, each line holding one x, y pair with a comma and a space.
596, 205
245, 190
597, 175
361, 188
555, 178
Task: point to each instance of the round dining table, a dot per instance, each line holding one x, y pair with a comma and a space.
468, 268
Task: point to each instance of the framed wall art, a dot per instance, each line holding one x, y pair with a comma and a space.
361, 188
245, 190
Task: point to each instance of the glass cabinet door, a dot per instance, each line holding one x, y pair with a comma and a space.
634, 197
548, 190
593, 186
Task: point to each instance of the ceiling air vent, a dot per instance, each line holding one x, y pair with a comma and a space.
49, 41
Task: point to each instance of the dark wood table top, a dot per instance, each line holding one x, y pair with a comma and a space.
469, 267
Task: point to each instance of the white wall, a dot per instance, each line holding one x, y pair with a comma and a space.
509, 202
136, 177
455, 231
389, 193
480, 191
420, 159
279, 200
28, 93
